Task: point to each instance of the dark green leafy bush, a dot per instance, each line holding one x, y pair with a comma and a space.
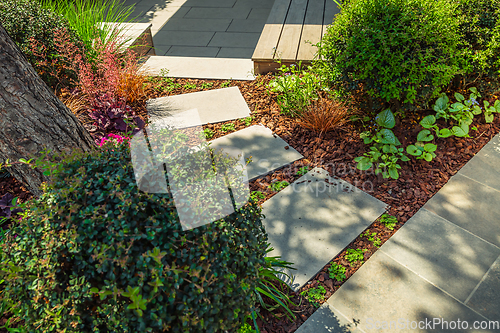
397, 51
95, 254
37, 31
480, 28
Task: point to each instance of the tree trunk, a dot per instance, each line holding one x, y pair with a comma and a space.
32, 118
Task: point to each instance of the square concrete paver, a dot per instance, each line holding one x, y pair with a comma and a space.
385, 293
184, 24
212, 106
268, 152
247, 26
218, 13
184, 38
470, 205
201, 68
485, 166
326, 320
314, 218
441, 252
486, 299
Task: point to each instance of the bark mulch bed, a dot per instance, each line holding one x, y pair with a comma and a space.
334, 151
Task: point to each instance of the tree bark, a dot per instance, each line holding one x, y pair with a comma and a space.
32, 118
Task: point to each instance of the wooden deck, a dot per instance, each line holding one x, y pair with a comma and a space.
291, 25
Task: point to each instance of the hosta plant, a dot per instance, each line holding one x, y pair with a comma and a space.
421, 149
384, 154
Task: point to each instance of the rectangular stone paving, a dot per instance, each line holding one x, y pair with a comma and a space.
315, 218
326, 320
486, 298
483, 167
385, 293
200, 68
267, 151
466, 202
441, 252
212, 106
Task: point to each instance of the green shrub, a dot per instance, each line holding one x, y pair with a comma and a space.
95, 254
36, 31
397, 51
480, 29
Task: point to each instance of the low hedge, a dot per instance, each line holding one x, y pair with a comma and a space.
96, 254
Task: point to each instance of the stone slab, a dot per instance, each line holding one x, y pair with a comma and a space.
192, 51
315, 218
161, 50
486, 299
211, 3
268, 151
185, 24
446, 255
184, 38
485, 166
259, 13
324, 319
235, 39
235, 52
247, 26
201, 68
384, 291
470, 205
221, 13
212, 106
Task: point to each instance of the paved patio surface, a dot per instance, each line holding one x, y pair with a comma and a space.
204, 28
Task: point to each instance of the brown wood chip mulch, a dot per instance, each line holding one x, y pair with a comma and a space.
334, 151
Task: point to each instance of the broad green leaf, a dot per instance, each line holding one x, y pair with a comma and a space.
427, 157
488, 117
425, 135
476, 110
393, 172
386, 119
497, 105
405, 158
428, 121
445, 133
388, 137
458, 131
413, 150
430, 147
441, 103
364, 163
459, 97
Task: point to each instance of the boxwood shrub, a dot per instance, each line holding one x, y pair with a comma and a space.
96, 254
396, 51
480, 29
26, 20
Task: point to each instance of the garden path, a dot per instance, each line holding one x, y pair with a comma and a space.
442, 265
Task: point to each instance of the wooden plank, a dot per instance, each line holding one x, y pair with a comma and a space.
288, 44
312, 30
268, 41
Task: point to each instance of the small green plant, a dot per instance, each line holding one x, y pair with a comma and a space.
246, 328
206, 85
315, 295
278, 185
190, 85
247, 120
489, 110
355, 255
389, 221
384, 154
372, 238
225, 84
256, 195
208, 133
296, 88
337, 272
302, 171
421, 149
227, 127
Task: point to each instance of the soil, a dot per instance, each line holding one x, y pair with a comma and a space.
335, 151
